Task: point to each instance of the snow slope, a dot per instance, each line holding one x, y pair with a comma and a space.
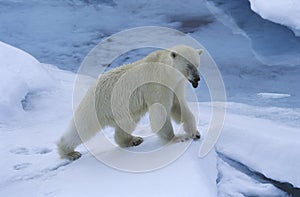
21, 75
33, 168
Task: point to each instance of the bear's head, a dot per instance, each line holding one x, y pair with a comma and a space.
187, 60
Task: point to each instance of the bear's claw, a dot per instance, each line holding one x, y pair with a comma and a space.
136, 141
196, 136
73, 155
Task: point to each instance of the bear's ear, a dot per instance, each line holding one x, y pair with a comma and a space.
200, 51
173, 54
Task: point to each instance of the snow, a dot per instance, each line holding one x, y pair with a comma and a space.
21, 75
273, 153
257, 153
235, 183
283, 12
35, 168
268, 95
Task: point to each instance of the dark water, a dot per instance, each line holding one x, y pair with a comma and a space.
284, 186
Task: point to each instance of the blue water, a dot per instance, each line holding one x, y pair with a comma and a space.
63, 32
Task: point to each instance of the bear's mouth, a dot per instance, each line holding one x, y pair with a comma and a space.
193, 75
194, 83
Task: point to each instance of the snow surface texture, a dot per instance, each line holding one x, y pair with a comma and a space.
258, 151
32, 167
283, 12
23, 77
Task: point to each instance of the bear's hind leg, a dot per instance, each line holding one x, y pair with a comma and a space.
68, 142
73, 155
124, 139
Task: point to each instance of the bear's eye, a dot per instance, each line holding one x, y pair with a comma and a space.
173, 54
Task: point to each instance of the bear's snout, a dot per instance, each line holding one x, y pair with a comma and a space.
195, 81
193, 75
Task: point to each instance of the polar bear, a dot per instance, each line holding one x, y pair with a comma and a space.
169, 70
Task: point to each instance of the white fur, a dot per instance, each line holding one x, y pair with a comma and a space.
95, 112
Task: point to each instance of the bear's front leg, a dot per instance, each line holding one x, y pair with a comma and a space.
189, 122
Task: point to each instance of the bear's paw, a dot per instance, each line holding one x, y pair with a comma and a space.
196, 136
73, 155
136, 141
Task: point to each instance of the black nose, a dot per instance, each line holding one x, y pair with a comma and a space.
195, 81
195, 84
